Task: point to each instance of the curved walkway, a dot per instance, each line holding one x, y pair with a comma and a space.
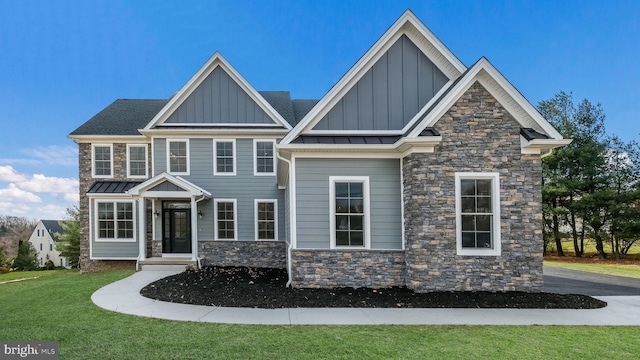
124, 296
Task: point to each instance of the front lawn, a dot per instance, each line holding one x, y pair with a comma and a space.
59, 308
628, 270
15, 275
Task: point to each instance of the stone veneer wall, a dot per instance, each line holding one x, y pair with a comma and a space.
478, 135
266, 254
86, 180
347, 268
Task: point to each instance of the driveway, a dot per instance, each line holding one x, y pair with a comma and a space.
563, 281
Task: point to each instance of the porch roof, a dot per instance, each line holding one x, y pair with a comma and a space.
150, 187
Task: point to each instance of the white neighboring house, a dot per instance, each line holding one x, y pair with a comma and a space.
43, 239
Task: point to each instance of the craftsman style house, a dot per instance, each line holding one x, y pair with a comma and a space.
412, 170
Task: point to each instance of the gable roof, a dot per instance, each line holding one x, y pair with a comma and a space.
409, 25
216, 61
500, 88
187, 186
121, 117
53, 227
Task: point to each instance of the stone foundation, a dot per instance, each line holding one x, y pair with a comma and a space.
347, 268
101, 265
156, 248
266, 254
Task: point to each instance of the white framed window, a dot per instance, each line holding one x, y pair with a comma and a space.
266, 219
225, 219
178, 157
478, 213
224, 157
349, 212
264, 162
114, 221
137, 162
102, 156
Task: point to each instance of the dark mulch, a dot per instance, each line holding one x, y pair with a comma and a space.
265, 288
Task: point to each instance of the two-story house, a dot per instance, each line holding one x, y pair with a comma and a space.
44, 240
412, 170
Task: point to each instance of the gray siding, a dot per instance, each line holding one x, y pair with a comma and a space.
390, 94
114, 249
219, 100
312, 200
244, 186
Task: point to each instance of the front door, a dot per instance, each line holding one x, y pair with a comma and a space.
176, 222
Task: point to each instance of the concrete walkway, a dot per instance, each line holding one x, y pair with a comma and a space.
124, 296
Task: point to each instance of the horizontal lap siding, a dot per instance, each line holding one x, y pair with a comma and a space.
244, 187
312, 199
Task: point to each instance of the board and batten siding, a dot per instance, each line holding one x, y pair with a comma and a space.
244, 187
312, 200
219, 100
113, 249
389, 94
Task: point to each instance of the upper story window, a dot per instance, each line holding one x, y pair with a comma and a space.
477, 213
224, 157
349, 206
114, 221
178, 156
102, 161
137, 161
264, 157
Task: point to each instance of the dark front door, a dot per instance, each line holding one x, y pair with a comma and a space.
176, 222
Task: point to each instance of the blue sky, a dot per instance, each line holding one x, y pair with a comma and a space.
61, 62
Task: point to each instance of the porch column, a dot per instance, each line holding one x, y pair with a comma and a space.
194, 229
142, 230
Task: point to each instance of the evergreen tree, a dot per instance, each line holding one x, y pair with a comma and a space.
69, 246
27, 258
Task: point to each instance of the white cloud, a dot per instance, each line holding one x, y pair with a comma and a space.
49, 155
9, 174
72, 197
15, 209
50, 184
14, 194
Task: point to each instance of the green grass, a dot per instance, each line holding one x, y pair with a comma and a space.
13, 275
608, 269
590, 247
58, 308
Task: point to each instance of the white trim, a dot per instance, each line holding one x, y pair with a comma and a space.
209, 125
191, 188
255, 157
220, 133
142, 244
408, 24
168, 144
275, 218
402, 201
93, 161
500, 88
153, 160
134, 214
105, 139
495, 203
215, 157
199, 77
215, 217
366, 210
293, 206
112, 258
146, 161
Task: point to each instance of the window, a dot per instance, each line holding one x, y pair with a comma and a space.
61, 262
38, 232
115, 221
266, 219
477, 213
40, 246
225, 219
224, 160
136, 161
349, 205
102, 161
50, 247
178, 157
264, 163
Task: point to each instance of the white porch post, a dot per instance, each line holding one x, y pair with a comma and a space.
142, 227
194, 229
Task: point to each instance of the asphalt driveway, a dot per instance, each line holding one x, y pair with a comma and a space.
563, 281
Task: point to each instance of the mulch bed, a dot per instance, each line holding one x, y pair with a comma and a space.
265, 288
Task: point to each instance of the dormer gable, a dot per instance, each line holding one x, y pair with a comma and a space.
217, 96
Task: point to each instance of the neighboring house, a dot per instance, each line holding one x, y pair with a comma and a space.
44, 240
412, 170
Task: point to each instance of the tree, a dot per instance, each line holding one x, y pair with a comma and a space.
69, 246
27, 258
573, 175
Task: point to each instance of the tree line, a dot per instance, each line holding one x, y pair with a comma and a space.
591, 187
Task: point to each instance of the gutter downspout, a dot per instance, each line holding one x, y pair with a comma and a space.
290, 245
197, 223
